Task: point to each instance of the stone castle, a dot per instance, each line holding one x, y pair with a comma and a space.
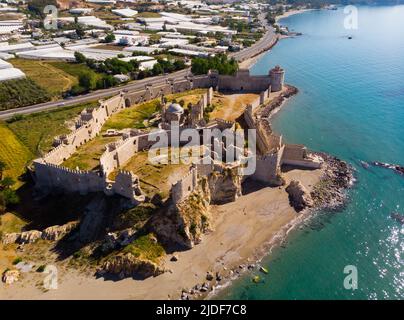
49, 173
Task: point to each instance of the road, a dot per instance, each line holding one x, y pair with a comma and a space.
263, 44
95, 95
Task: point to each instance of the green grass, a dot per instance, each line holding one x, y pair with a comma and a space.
17, 260
132, 117
13, 153
52, 79
148, 15
134, 217
74, 69
87, 156
145, 248
9, 223
135, 116
154, 178
21, 92
37, 130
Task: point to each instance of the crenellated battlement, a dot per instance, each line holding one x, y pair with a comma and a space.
49, 172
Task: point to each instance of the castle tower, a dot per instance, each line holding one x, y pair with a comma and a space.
277, 76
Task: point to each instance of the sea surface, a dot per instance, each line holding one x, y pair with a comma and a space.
350, 104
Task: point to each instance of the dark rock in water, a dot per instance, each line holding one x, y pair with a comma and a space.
395, 167
398, 217
364, 164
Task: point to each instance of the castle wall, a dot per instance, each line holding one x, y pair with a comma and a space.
242, 81
296, 155
268, 166
50, 174
184, 187
53, 177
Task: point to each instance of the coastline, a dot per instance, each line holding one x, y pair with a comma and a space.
235, 246
248, 63
244, 232
291, 13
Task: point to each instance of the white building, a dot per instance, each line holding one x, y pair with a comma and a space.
80, 10
8, 72
126, 13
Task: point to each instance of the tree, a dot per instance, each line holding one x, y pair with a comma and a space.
80, 58
87, 80
219, 62
10, 197
109, 38
157, 69
80, 31
179, 64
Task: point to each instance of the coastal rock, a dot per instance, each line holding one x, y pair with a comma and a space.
337, 177
10, 276
30, 236
126, 236
299, 197
127, 265
209, 276
110, 242
218, 277
55, 233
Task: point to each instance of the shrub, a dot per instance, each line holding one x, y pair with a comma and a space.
21, 92
41, 268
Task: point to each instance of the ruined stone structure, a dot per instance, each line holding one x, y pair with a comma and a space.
50, 174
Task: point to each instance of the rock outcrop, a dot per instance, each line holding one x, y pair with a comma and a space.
299, 197
127, 265
183, 224
30, 236
224, 187
57, 232
10, 276
10, 238
52, 233
331, 191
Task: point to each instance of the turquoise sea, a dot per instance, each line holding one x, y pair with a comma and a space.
350, 104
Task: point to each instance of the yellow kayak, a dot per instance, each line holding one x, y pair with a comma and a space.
264, 270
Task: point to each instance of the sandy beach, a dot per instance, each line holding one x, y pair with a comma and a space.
291, 13
242, 233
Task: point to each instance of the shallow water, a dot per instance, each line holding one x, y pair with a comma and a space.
350, 104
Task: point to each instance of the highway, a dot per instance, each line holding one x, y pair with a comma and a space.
95, 95
263, 44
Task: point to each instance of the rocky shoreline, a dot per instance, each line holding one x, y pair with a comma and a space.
338, 176
329, 193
